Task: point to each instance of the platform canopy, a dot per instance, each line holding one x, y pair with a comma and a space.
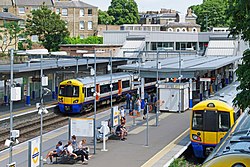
190, 66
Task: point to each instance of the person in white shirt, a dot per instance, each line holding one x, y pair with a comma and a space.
70, 150
122, 111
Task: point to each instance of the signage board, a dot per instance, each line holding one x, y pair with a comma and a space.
205, 79
34, 153
82, 127
115, 116
15, 93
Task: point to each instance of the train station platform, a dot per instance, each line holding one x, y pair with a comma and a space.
165, 141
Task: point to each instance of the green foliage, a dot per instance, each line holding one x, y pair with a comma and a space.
9, 34
239, 11
212, 13
124, 12
51, 30
243, 98
181, 162
104, 18
89, 40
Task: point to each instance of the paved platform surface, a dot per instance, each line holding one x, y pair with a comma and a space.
165, 141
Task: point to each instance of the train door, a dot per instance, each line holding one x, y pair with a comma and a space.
119, 87
223, 124
210, 125
97, 92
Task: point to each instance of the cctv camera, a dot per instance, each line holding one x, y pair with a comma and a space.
45, 111
7, 143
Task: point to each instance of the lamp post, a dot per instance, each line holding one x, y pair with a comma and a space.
95, 105
157, 90
111, 86
179, 101
41, 108
11, 102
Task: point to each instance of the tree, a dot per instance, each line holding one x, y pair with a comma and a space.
51, 30
9, 34
104, 18
238, 12
124, 12
211, 13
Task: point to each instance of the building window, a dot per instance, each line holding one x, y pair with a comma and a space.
57, 10
34, 38
90, 12
81, 25
5, 9
184, 30
64, 12
81, 12
21, 10
178, 29
194, 30
90, 25
22, 24
81, 36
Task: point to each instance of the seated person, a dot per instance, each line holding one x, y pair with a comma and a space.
123, 120
55, 153
70, 150
83, 150
121, 131
74, 142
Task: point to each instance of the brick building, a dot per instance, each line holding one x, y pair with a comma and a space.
81, 18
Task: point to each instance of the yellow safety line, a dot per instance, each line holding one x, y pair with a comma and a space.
163, 152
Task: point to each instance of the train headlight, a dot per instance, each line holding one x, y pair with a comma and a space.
195, 137
75, 101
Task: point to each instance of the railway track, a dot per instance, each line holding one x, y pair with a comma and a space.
30, 129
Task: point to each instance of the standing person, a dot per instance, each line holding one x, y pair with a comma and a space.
138, 103
122, 112
145, 110
128, 98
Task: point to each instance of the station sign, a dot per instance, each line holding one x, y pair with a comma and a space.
205, 79
13, 164
115, 116
34, 153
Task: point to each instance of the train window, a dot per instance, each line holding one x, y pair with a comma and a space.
69, 91
197, 120
89, 92
224, 121
105, 88
115, 86
125, 84
210, 121
83, 90
149, 80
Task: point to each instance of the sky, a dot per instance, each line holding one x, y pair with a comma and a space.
156, 5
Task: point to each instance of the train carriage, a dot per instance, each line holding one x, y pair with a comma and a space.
77, 95
211, 119
234, 149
